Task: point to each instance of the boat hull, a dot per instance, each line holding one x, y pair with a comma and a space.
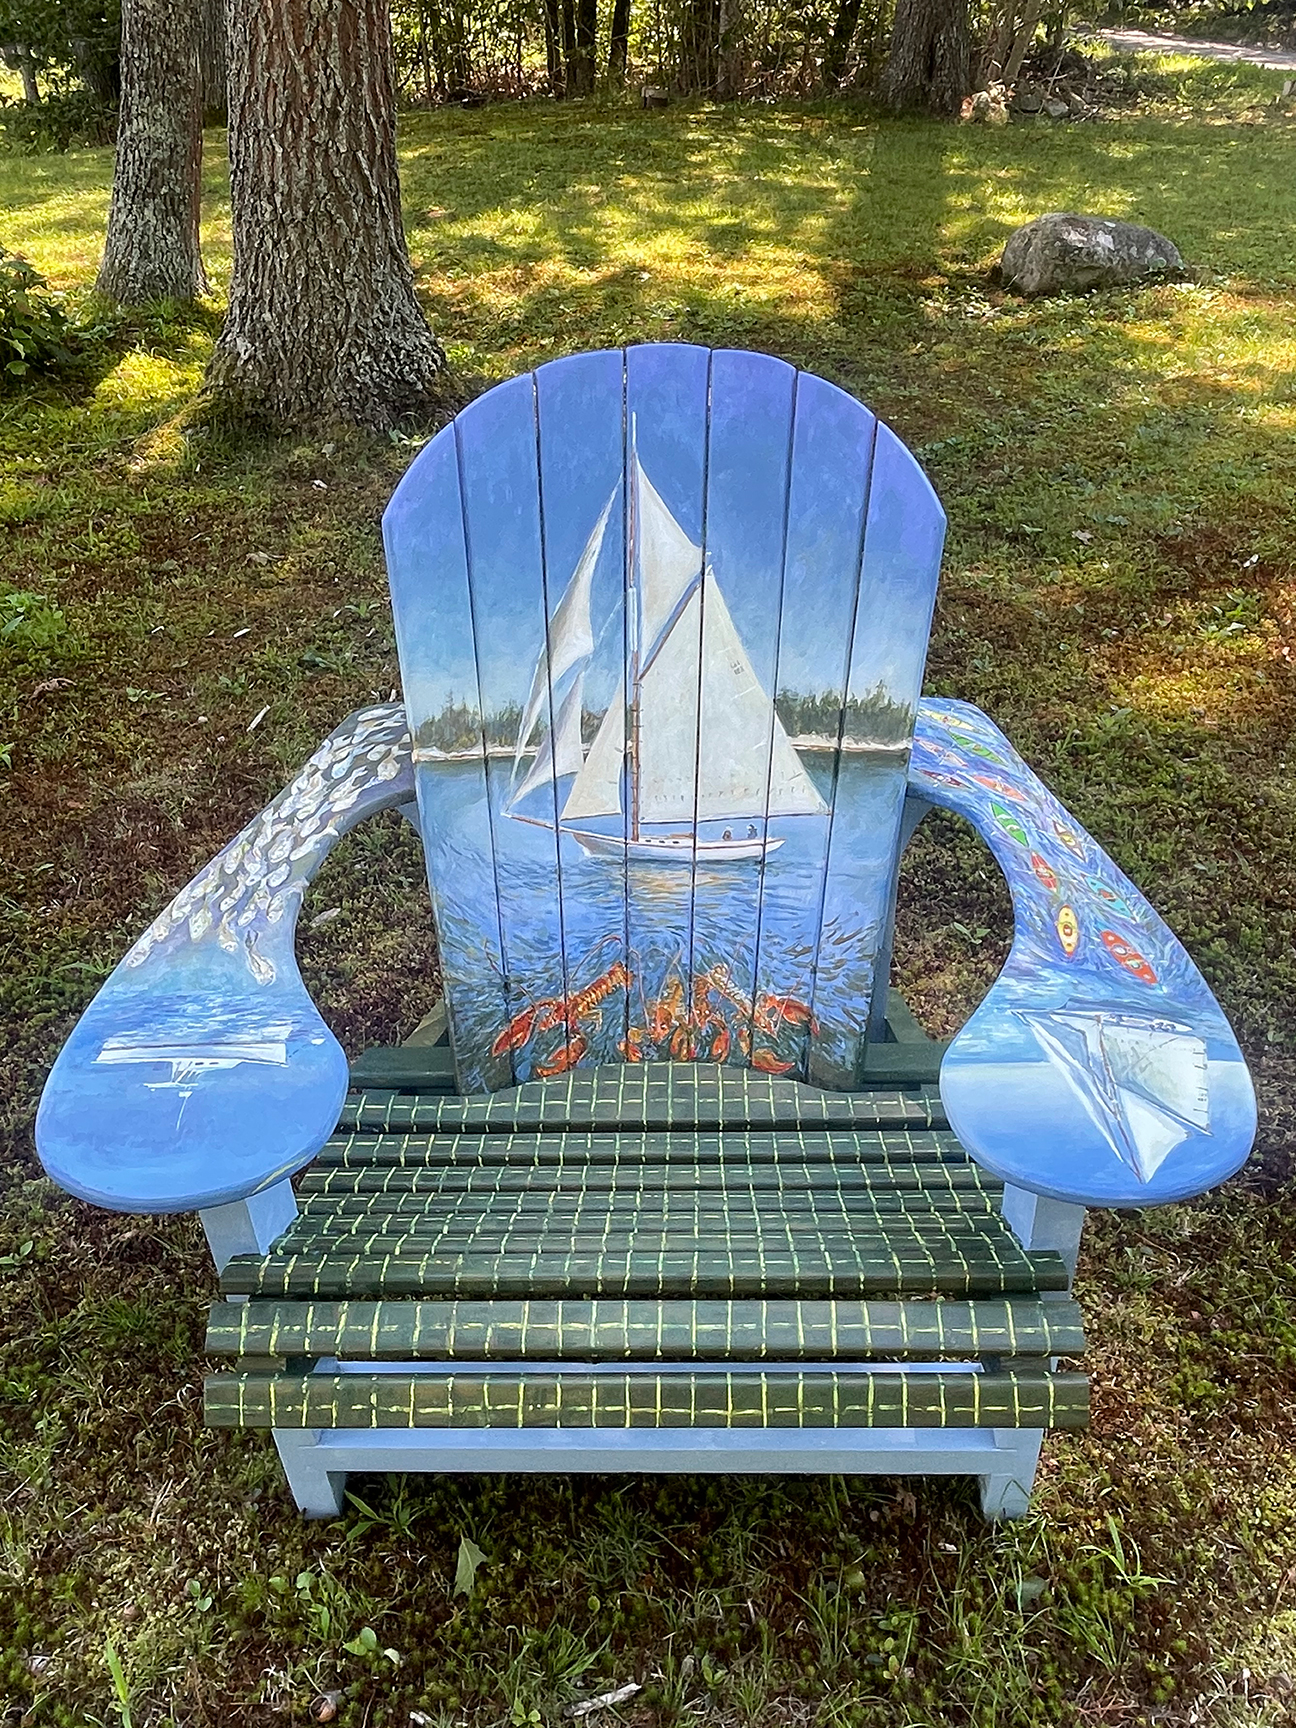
672, 849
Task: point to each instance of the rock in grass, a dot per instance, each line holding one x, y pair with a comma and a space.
1067, 254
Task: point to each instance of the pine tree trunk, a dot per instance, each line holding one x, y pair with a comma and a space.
213, 61
323, 326
619, 42
929, 62
151, 250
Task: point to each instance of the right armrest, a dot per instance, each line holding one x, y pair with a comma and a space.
202, 1071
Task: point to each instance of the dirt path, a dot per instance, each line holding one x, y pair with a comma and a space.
1149, 42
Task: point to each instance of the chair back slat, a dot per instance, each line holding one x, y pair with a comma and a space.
662, 616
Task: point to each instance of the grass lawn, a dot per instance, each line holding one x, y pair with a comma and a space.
1120, 580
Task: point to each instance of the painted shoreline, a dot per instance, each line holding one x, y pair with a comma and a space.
430, 753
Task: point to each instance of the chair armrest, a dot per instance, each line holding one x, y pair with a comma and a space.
202, 1071
1099, 1068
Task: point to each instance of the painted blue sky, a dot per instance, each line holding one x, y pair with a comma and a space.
536, 460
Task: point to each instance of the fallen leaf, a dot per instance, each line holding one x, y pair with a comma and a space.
258, 557
470, 1558
604, 1700
326, 918
48, 684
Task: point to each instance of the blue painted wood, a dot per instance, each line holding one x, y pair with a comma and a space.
317, 1461
900, 564
660, 584
1099, 1069
202, 1071
427, 565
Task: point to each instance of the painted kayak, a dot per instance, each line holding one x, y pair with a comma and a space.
1129, 956
1009, 823
1044, 872
1068, 930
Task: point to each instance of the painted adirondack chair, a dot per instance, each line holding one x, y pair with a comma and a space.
680, 1191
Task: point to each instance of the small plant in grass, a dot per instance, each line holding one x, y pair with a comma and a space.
35, 331
37, 336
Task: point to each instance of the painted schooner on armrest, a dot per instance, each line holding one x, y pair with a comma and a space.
662, 617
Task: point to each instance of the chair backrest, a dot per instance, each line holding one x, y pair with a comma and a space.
662, 617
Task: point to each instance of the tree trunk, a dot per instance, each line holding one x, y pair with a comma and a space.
27, 66
569, 47
323, 325
929, 62
583, 63
619, 42
1022, 41
553, 48
151, 250
839, 43
213, 61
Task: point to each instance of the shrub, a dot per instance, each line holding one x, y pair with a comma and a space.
58, 121
37, 338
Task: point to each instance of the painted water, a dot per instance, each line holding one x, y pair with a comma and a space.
557, 957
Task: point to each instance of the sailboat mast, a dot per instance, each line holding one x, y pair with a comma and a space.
634, 615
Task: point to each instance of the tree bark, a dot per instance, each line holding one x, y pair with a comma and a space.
323, 326
151, 250
619, 42
213, 61
569, 46
929, 62
583, 57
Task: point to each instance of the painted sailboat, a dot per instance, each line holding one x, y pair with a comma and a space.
1142, 1080
189, 1058
690, 761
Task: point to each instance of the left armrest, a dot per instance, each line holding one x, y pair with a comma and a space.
202, 1072
1099, 1069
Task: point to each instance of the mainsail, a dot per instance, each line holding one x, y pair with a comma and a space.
1143, 1080
699, 739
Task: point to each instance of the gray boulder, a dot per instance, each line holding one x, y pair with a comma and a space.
1063, 254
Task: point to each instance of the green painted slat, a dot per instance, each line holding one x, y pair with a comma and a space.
648, 1095
644, 1331
743, 1398
753, 1146
405, 1067
901, 1064
724, 1179
865, 1267
392, 1207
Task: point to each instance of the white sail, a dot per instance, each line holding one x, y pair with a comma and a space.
597, 790
667, 563
571, 635
1142, 1081
561, 751
745, 764
1166, 1067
